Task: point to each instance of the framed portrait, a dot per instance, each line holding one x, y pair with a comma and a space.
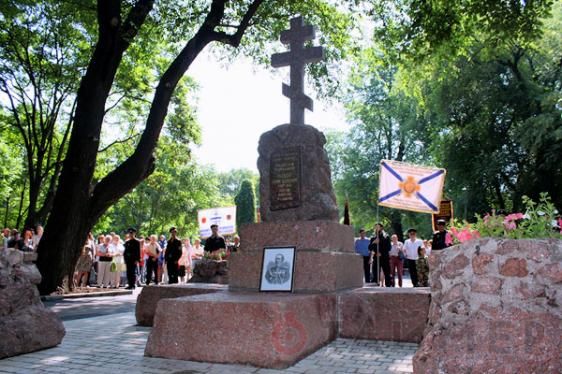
277, 269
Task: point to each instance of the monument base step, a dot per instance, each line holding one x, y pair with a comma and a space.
384, 313
270, 330
315, 271
150, 295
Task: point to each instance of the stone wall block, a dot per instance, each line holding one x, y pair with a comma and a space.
456, 266
514, 267
480, 263
456, 293
507, 246
530, 291
537, 250
500, 315
25, 323
434, 260
489, 285
551, 273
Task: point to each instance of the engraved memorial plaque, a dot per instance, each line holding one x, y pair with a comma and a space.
285, 178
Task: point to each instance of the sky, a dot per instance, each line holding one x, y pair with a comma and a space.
236, 104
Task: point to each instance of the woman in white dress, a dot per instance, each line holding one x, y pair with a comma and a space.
104, 262
116, 249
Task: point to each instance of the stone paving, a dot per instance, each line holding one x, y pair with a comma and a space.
114, 344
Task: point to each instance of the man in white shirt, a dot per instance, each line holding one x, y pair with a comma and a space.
411, 246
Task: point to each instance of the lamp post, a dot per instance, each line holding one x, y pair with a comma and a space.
465, 192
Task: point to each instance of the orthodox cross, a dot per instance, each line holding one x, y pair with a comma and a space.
296, 58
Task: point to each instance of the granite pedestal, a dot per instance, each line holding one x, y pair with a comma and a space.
148, 298
264, 330
377, 313
324, 259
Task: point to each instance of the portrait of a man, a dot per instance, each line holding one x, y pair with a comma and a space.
278, 271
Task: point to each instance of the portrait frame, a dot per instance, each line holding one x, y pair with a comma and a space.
277, 269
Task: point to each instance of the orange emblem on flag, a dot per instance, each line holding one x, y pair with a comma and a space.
409, 186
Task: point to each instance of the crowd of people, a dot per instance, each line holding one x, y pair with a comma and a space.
149, 260
113, 262
26, 241
385, 258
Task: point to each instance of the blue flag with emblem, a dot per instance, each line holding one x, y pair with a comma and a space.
410, 187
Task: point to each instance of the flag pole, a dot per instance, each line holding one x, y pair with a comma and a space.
378, 250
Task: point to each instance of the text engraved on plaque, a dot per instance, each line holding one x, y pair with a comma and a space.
285, 178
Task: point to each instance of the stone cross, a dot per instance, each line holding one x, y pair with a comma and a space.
296, 58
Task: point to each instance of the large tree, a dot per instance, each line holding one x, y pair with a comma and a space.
38, 79
79, 203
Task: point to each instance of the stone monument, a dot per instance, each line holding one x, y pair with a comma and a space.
294, 169
298, 205
298, 210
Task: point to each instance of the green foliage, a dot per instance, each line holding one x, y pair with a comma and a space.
419, 28
537, 222
386, 124
468, 86
336, 24
38, 79
231, 181
52, 42
11, 176
539, 217
245, 204
220, 256
501, 125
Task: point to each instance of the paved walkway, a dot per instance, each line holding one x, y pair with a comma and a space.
87, 307
114, 344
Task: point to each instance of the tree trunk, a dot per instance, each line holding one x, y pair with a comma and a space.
34, 186
20, 207
77, 206
70, 220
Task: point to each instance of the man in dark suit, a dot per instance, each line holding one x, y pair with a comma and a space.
439, 241
380, 248
172, 256
131, 255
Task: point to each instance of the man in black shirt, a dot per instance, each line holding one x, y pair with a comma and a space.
131, 254
173, 254
215, 242
439, 241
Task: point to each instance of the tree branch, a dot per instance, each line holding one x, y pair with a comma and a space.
235, 39
141, 163
123, 96
119, 141
134, 21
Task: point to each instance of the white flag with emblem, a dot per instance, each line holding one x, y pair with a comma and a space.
410, 187
224, 217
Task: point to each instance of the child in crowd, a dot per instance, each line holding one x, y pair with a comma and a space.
83, 267
422, 268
